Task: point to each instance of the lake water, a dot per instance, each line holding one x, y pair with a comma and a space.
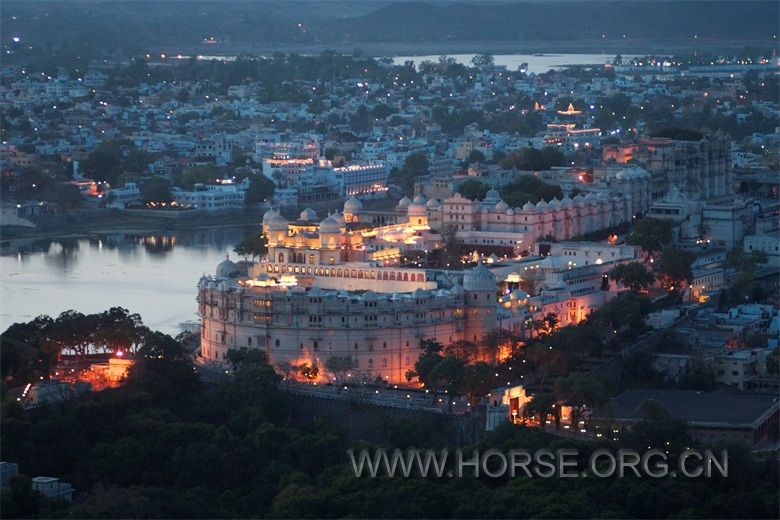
536, 64
154, 275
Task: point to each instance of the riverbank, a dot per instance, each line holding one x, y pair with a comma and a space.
423, 48
88, 223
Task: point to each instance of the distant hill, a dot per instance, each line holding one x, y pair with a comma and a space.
139, 25
565, 20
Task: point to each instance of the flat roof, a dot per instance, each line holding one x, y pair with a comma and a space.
697, 408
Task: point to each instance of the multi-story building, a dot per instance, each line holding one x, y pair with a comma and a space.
316, 296
699, 169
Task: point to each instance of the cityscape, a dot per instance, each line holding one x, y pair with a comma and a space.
259, 258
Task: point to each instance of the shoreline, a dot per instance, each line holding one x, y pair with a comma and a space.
425, 48
122, 223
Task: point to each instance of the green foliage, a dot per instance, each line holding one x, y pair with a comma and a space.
261, 189
674, 267
253, 246
67, 196
110, 159
633, 275
30, 350
473, 189
528, 188
679, 134
157, 190
200, 174
415, 166
652, 234
533, 159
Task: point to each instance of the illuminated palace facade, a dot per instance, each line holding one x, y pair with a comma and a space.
334, 287
318, 294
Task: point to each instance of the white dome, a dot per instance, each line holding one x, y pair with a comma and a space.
417, 210
567, 202
502, 206
528, 206
419, 199
278, 223
268, 216
226, 268
338, 217
555, 203
329, 225
479, 279
352, 205
308, 215
541, 204
492, 195
432, 204
404, 202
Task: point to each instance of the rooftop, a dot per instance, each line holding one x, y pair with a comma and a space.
698, 408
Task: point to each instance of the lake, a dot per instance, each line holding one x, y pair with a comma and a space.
536, 64
154, 275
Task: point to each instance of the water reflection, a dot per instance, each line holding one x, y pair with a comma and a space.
153, 274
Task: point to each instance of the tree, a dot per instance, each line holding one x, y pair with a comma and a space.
539, 406
479, 379
67, 196
632, 275
674, 267
473, 189
253, 246
483, 60
309, 372
261, 188
476, 157
466, 351
199, 174
546, 361
339, 366
415, 166
652, 234
381, 111
581, 390
156, 190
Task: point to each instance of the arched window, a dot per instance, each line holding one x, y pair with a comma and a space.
360, 274
392, 276
281, 258
384, 363
384, 275
407, 361
338, 273
406, 277
354, 274
420, 277
370, 363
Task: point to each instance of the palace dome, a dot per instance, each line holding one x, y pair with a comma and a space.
479, 279
432, 204
417, 210
268, 216
226, 268
528, 206
278, 223
329, 225
502, 206
419, 199
352, 206
308, 215
404, 202
492, 195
